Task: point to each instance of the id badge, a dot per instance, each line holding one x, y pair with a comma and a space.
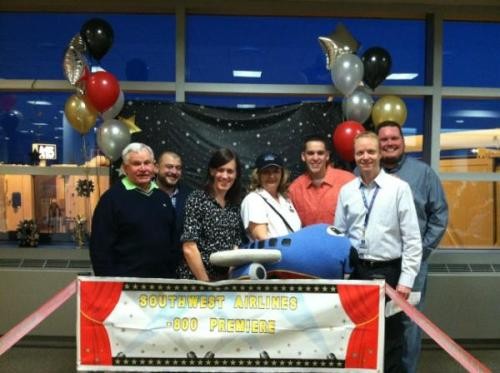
362, 247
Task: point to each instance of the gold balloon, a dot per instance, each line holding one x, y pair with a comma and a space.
130, 123
80, 114
389, 108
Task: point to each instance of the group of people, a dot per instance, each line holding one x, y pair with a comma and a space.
392, 208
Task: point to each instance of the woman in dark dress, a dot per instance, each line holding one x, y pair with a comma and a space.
212, 218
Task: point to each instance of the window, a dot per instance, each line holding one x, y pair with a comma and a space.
263, 51
285, 50
36, 52
470, 54
469, 127
247, 102
473, 210
27, 118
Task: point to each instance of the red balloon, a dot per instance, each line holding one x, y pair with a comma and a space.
102, 90
86, 74
343, 138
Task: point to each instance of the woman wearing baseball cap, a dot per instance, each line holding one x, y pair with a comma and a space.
266, 211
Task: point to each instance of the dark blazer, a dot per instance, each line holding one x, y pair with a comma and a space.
134, 234
180, 203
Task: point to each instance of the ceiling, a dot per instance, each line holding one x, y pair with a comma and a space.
486, 10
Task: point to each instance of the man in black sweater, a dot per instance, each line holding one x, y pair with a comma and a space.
133, 228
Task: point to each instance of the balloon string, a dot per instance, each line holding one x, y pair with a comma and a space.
84, 148
98, 181
87, 177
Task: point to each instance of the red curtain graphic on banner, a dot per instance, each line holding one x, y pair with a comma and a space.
98, 299
361, 303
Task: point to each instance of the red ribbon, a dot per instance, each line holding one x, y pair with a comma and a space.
464, 358
10, 338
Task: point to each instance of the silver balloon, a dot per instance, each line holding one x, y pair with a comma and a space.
114, 110
357, 106
112, 137
78, 44
347, 73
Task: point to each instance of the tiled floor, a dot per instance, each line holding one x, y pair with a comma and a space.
438, 361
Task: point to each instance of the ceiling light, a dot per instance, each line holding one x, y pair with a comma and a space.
247, 74
475, 113
40, 124
459, 121
95, 69
409, 131
39, 102
402, 76
245, 106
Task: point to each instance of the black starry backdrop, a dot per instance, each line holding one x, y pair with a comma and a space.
195, 131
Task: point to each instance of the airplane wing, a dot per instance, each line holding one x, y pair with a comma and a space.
238, 257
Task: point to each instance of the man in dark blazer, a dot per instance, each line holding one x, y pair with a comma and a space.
169, 180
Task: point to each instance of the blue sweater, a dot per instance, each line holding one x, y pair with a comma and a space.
134, 234
429, 198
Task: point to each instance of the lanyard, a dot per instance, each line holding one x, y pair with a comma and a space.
368, 207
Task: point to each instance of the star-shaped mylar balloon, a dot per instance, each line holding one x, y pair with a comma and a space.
338, 42
130, 123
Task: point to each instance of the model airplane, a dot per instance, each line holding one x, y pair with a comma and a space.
317, 251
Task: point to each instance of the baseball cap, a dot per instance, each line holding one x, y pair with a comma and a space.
268, 159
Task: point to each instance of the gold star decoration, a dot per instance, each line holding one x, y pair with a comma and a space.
130, 123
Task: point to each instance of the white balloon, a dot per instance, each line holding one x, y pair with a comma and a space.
114, 110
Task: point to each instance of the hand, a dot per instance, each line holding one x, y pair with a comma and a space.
193, 259
203, 277
404, 291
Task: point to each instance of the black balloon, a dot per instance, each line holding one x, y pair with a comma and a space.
377, 65
98, 37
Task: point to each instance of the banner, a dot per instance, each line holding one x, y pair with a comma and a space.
131, 324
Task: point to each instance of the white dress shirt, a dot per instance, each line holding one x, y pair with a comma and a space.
254, 209
392, 228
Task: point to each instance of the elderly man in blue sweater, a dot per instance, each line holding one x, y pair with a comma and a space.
133, 228
432, 213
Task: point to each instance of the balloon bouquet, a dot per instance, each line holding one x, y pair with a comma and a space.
97, 92
354, 77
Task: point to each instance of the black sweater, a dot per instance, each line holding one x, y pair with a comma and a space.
134, 234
